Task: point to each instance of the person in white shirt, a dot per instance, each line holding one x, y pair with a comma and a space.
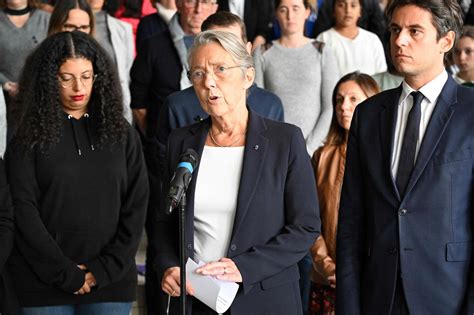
355, 48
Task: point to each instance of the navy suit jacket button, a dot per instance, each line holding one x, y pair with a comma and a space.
190, 246
233, 247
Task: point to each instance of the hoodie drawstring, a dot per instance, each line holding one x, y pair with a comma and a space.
75, 135
76, 140
86, 115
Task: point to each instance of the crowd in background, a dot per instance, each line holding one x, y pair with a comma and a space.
313, 61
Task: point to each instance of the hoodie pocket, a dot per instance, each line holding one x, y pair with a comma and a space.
82, 246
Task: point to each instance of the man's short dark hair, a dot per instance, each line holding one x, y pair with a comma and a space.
446, 15
224, 19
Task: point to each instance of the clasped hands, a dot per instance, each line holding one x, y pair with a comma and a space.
224, 269
89, 282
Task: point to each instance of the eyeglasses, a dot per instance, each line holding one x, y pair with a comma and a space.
205, 3
80, 28
67, 80
220, 72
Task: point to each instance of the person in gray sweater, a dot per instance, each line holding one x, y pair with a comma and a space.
22, 28
301, 71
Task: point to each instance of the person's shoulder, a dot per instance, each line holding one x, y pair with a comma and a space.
261, 94
380, 100
113, 21
159, 44
281, 129
365, 34
41, 15
180, 98
465, 94
180, 133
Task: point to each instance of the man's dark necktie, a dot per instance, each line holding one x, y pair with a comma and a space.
407, 153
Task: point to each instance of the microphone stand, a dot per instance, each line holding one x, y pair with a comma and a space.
182, 256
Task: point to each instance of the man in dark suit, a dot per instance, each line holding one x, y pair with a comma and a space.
406, 217
161, 64
256, 14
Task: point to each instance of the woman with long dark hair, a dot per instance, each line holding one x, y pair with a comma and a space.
78, 183
329, 165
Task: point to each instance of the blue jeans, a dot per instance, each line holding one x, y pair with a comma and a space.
109, 308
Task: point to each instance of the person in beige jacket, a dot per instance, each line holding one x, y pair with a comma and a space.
328, 163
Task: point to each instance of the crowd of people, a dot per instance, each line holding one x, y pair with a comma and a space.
334, 141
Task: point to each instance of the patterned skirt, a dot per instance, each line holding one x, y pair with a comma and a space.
322, 300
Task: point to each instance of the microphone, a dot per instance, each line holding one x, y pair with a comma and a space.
181, 178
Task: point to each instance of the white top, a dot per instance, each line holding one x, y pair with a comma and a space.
215, 201
431, 93
237, 7
363, 53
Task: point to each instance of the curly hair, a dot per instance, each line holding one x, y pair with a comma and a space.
42, 115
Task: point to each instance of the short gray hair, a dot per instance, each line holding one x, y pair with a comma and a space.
230, 42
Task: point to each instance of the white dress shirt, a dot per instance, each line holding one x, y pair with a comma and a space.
215, 201
237, 7
431, 93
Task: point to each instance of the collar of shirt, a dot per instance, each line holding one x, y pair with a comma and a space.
430, 90
166, 14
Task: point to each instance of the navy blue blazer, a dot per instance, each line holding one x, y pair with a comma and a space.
428, 231
276, 220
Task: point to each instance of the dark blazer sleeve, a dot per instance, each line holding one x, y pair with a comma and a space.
118, 256
350, 230
301, 220
6, 218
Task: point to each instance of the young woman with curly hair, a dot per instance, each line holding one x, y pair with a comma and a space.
78, 182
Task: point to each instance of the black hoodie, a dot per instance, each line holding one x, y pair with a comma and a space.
77, 204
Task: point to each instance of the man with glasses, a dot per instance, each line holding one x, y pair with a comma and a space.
161, 64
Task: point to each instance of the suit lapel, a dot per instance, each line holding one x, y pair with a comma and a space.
439, 120
388, 120
254, 158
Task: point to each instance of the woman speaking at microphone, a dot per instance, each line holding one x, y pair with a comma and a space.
78, 182
252, 211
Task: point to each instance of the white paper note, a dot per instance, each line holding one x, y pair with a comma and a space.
215, 293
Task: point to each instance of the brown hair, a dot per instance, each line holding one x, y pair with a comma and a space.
61, 12
368, 85
224, 19
446, 15
467, 31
